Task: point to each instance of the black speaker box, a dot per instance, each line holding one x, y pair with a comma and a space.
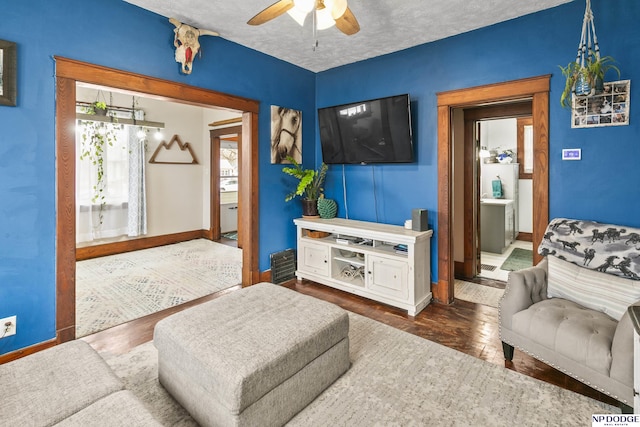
419, 220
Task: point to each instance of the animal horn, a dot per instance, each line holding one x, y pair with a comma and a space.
208, 33
175, 22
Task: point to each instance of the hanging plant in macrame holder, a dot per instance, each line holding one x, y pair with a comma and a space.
585, 75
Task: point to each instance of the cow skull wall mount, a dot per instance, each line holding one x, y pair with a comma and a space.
187, 44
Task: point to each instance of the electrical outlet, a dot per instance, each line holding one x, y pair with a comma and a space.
8, 326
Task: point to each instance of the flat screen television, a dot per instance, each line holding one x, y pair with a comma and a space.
374, 131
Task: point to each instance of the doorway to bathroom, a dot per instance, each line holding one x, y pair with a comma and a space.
497, 191
505, 220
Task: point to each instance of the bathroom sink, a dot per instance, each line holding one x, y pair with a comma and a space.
496, 201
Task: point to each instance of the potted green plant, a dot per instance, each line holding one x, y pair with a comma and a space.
585, 79
95, 138
309, 186
99, 108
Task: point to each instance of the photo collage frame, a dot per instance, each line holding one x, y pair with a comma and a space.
608, 108
7, 73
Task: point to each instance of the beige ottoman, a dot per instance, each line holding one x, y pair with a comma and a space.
256, 356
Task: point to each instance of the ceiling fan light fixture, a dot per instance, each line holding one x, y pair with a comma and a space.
337, 7
305, 6
324, 14
324, 19
298, 15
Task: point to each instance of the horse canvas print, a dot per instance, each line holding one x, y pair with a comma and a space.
286, 134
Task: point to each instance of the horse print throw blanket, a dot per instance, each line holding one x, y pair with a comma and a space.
606, 248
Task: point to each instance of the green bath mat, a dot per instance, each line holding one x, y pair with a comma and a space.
518, 259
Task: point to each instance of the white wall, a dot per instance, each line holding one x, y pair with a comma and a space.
499, 134
174, 192
525, 206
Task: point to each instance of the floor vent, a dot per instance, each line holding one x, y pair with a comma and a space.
283, 266
487, 267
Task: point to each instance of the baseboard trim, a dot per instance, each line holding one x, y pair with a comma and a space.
265, 276
9, 357
458, 268
96, 251
525, 237
435, 292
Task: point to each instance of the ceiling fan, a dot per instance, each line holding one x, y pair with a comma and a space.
327, 13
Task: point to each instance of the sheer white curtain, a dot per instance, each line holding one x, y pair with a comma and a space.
123, 187
137, 214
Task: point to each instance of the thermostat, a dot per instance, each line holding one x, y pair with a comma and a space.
571, 154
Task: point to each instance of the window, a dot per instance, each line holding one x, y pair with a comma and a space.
103, 170
228, 167
115, 166
525, 147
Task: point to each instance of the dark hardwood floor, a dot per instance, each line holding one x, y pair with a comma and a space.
464, 326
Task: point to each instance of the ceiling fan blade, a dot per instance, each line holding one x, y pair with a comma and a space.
271, 12
348, 23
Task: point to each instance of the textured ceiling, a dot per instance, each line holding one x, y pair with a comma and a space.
386, 25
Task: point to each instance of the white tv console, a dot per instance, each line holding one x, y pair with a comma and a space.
361, 258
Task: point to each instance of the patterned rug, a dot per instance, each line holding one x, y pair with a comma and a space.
518, 259
116, 289
397, 379
480, 294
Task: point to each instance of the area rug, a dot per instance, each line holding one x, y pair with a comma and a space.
397, 379
479, 294
119, 288
518, 259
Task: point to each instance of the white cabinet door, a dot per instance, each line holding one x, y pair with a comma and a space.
313, 258
228, 217
388, 277
509, 225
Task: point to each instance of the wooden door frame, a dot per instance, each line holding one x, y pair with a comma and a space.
68, 73
534, 88
472, 237
215, 136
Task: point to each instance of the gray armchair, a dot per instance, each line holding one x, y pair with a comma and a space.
584, 343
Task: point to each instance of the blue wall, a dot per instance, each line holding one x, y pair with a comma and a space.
603, 186
118, 35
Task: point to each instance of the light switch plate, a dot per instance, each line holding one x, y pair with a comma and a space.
8, 326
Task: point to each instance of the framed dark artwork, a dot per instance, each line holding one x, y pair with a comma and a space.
608, 108
7, 73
